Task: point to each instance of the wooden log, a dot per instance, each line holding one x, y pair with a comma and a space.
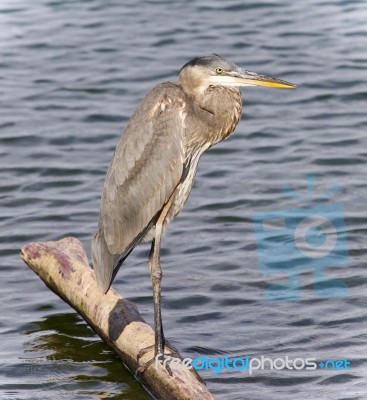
63, 267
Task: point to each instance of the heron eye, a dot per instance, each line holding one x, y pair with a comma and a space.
218, 70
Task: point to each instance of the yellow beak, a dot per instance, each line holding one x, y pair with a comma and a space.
247, 78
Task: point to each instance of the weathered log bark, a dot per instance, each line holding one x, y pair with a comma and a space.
64, 268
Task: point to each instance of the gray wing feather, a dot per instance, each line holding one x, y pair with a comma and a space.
145, 169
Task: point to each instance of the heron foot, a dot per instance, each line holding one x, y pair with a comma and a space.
170, 356
170, 351
159, 358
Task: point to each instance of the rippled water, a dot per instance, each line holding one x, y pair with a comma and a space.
71, 73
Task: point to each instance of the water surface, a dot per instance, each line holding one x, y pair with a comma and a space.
71, 73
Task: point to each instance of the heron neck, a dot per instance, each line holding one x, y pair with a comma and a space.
221, 111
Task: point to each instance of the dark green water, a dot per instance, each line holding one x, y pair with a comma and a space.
71, 73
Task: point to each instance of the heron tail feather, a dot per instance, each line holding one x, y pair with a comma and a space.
103, 261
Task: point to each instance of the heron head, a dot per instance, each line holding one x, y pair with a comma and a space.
202, 72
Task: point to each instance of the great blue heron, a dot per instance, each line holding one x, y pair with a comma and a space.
152, 171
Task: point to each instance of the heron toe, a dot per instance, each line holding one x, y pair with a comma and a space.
169, 351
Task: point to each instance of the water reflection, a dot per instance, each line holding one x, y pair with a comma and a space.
66, 356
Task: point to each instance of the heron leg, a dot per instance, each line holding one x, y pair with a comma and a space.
156, 276
160, 344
